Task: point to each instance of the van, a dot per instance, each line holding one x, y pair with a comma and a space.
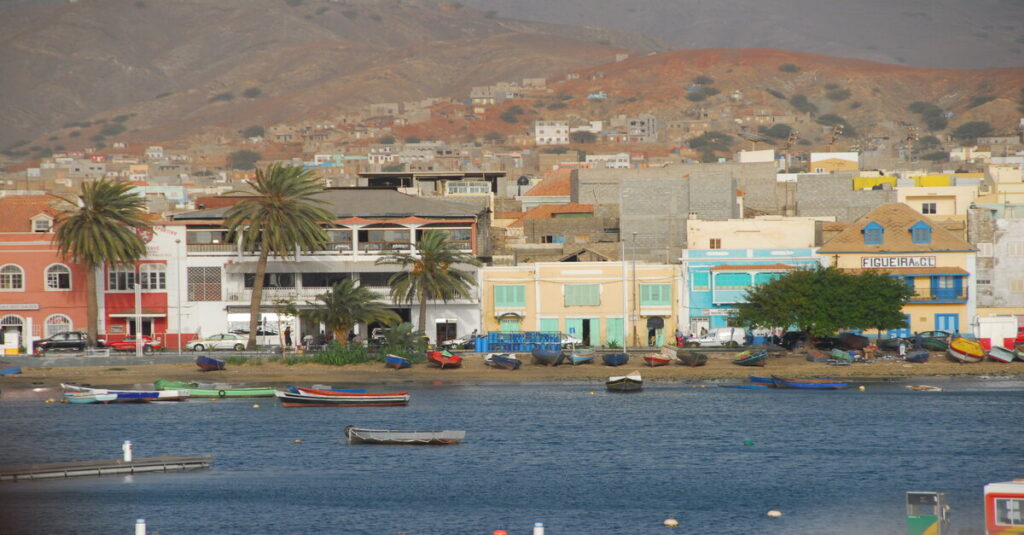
720, 337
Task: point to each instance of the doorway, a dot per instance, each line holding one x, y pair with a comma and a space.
147, 327
446, 330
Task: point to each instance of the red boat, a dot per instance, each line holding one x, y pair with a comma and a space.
312, 397
444, 359
657, 360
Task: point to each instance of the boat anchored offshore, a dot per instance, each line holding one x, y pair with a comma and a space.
214, 390
310, 397
357, 435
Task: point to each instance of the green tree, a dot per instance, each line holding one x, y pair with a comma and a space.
253, 131
972, 130
777, 131
879, 301
103, 229
712, 141
831, 119
281, 218
978, 100
252, 92
789, 67
413, 139
703, 80
431, 273
243, 159
936, 156
801, 103
387, 140
405, 342
345, 306
494, 137
837, 95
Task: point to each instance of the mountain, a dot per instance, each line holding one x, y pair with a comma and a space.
169, 68
927, 33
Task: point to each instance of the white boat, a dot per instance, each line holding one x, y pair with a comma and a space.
131, 395
85, 397
1001, 354
924, 388
625, 383
357, 435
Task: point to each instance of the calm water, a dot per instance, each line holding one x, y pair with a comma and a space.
832, 462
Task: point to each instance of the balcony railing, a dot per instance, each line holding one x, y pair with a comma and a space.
211, 247
940, 294
296, 295
374, 247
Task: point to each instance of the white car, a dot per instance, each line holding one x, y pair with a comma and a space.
720, 337
219, 341
569, 340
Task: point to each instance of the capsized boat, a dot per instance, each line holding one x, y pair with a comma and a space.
632, 382
324, 398
917, 357
751, 358
444, 359
964, 350
209, 364
615, 359
547, 357
809, 384
357, 435
1001, 354
214, 391
396, 362
504, 361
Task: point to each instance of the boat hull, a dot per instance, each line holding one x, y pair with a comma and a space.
1001, 354
656, 360
503, 361
690, 358
397, 363
626, 383
750, 358
962, 358
14, 370
81, 398
917, 357
963, 350
809, 384
195, 391
614, 359
209, 364
392, 437
289, 399
441, 360
546, 357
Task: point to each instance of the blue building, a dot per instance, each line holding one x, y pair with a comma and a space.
717, 280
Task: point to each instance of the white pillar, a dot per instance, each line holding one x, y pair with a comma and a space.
140, 526
27, 339
538, 528
127, 449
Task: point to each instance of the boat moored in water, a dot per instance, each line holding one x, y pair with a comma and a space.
357, 435
214, 390
809, 384
307, 397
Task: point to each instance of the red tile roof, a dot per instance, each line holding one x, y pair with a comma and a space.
896, 220
18, 210
548, 211
555, 183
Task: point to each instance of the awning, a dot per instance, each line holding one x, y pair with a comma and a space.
130, 313
509, 315
312, 266
655, 322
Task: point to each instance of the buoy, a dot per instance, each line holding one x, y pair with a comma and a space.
748, 442
140, 526
591, 393
774, 513
298, 441
862, 388
671, 523
538, 528
255, 405
499, 532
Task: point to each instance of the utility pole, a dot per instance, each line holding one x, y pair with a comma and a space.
636, 302
177, 285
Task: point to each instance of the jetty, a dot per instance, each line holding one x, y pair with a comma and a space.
165, 463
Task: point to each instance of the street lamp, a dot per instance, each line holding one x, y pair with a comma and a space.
636, 303
177, 285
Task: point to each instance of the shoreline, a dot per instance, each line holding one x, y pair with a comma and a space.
474, 371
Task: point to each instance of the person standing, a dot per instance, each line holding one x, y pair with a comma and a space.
288, 336
903, 349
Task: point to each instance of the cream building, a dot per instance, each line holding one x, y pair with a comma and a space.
755, 233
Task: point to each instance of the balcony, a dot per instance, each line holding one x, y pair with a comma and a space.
202, 248
298, 296
939, 295
384, 247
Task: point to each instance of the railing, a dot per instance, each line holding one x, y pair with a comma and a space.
211, 247
939, 294
298, 295
385, 246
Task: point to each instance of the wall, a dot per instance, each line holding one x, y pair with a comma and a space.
766, 231
832, 195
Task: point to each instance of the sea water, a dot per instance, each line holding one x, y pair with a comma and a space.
579, 459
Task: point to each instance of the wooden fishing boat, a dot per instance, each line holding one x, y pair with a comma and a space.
657, 360
809, 384
444, 359
329, 388
213, 391
841, 356
751, 358
341, 399
581, 356
692, 358
1001, 354
547, 357
357, 435
817, 356
615, 359
935, 344
128, 396
924, 388
625, 383
965, 351
917, 357
852, 341
209, 364
11, 370
767, 381
503, 361
396, 362
86, 398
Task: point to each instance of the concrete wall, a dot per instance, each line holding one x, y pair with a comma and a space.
833, 195
759, 233
1008, 263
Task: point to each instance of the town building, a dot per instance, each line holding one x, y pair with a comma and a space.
932, 261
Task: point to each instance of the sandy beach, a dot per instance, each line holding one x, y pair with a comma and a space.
473, 371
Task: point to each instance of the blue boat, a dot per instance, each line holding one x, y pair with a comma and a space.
581, 357
14, 370
396, 362
209, 364
917, 356
295, 390
547, 357
504, 361
809, 384
615, 359
767, 381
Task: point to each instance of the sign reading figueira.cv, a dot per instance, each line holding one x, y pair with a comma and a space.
882, 262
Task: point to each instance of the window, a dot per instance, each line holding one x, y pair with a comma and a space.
873, 234
468, 188
765, 278
206, 237
715, 243
655, 295
984, 250
56, 324
1009, 511
121, 278
203, 283
374, 280
339, 239
700, 280
271, 280
12, 277
58, 277
509, 295
732, 281
42, 224
1015, 248
322, 280
154, 276
552, 239
920, 232
1017, 286
582, 294
928, 208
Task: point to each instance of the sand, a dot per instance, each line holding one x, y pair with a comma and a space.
473, 371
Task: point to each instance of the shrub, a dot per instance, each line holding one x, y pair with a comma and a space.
831, 119
711, 140
979, 100
350, 14
927, 142
494, 137
122, 118
777, 131
413, 139
164, 94
252, 92
222, 97
112, 129
511, 115
777, 94
74, 133
703, 80
387, 140
801, 103
243, 159
972, 130
789, 67
855, 105
936, 156
701, 93
556, 105
253, 131
831, 86
837, 95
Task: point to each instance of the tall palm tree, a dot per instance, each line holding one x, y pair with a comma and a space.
103, 228
346, 305
430, 274
283, 217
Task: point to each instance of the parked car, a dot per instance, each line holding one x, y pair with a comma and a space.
128, 344
463, 342
569, 341
794, 339
720, 337
893, 343
219, 341
69, 341
264, 337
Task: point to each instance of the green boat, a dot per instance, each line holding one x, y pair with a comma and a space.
195, 391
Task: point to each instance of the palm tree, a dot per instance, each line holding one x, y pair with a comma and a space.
430, 274
103, 228
283, 217
346, 305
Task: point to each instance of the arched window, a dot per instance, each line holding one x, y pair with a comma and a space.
154, 276
11, 321
57, 323
58, 277
12, 277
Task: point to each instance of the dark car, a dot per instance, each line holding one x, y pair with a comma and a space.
69, 341
794, 339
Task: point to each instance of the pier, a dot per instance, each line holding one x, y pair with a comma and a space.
165, 463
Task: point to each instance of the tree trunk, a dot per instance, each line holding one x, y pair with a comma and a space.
422, 323
91, 306
257, 296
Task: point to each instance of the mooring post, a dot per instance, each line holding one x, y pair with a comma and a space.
140, 526
127, 449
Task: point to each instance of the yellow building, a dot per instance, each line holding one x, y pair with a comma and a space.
933, 261
600, 303
828, 162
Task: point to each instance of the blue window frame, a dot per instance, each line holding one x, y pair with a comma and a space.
873, 233
920, 232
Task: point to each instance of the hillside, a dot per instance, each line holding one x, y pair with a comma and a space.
177, 66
